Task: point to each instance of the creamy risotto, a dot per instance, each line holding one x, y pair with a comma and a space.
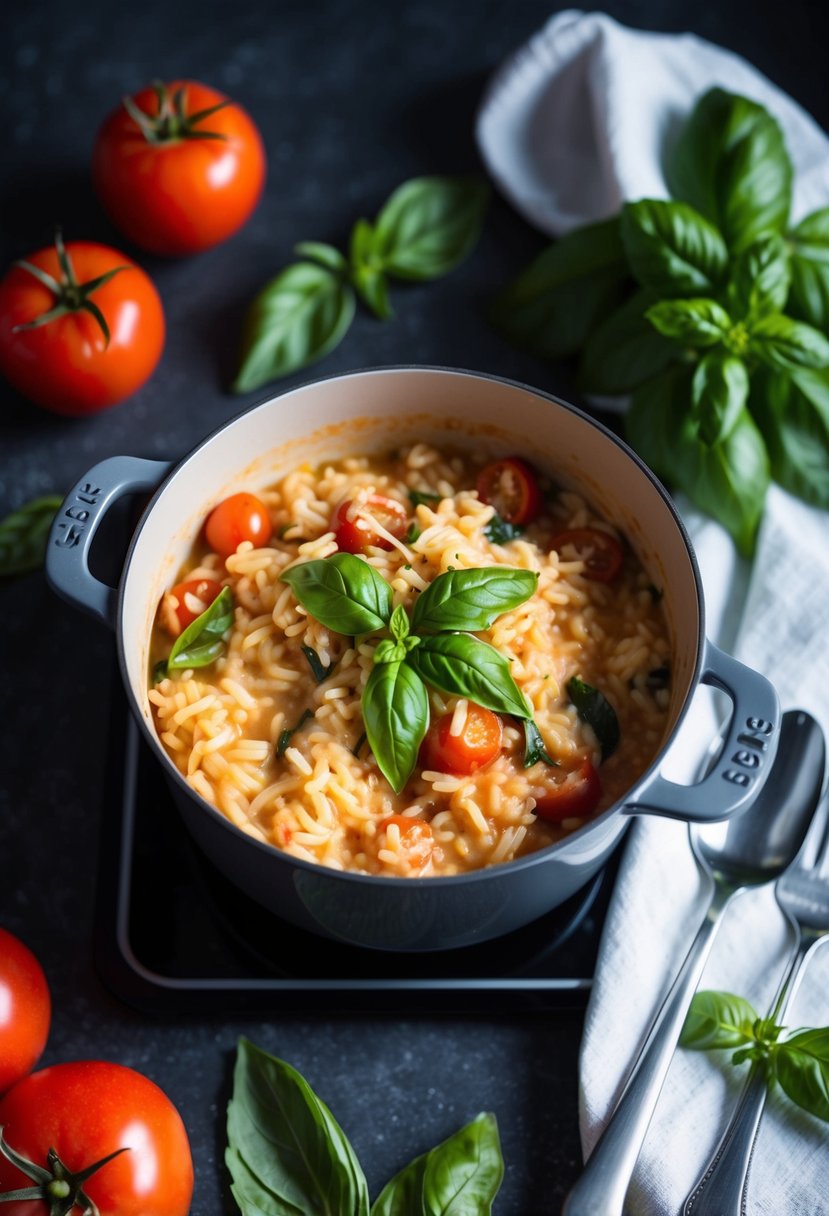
268, 724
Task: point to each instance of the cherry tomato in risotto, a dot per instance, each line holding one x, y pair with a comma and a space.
354, 532
81, 327
87, 1111
574, 795
602, 553
178, 167
414, 837
512, 488
474, 746
192, 598
240, 517
25, 1010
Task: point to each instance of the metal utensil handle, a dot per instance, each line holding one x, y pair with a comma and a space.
746, 757
77, 521
720, 1190
601, 1189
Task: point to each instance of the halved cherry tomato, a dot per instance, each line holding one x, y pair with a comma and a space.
511, 487
574, 796
240, 517
602, 553
477, 745
416, 838
25, 1010
192, 598
354, 533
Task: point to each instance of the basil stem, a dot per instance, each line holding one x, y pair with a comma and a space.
201, 643
23, 535
594, 709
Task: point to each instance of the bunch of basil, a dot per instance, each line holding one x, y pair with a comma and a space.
709, 310
424, 230
287, 1154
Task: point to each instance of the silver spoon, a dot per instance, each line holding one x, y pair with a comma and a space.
749, 850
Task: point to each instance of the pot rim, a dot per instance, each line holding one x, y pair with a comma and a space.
530, 860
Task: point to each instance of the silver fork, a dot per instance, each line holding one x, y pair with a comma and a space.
803, 895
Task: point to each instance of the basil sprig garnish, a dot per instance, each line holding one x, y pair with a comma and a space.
23, 535
287, 1154
424, 230
594, 708
201, 643
437, 646
798, 1061
709, 311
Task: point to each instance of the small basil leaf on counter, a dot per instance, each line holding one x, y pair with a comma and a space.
672, 248
326, 255
719, 391
692, 322
403, 1194
471, 599
534, 750
395, 708
286, 1152
201, 643
792, 412
297, 318
429, 225
718, 1020
462, 1175
24, 533
500, 532
801, 1065
555, 304
788, 345
595, 709
342, 592
809, 294
760, 281
372, 287
464, 666
318, 669
730, 162
284, 740
416, 497
625, 349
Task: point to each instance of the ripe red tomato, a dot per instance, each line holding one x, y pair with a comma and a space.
240, 517
81, 330
87, 1110
354, 534
417, 840
25, 1010
477, 745
511, 487
573, 796
602, 553
192, 598
178, 167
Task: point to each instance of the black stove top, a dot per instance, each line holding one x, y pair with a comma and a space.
173, 934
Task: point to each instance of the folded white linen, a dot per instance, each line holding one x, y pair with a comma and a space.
573, 124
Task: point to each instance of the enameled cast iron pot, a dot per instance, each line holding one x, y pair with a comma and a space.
375, 411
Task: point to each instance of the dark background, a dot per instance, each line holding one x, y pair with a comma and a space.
351, 99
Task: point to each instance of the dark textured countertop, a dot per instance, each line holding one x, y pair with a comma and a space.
352, 98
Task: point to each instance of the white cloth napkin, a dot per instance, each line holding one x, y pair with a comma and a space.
571, 125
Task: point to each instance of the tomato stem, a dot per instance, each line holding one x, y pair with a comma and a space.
172, 122
57, 1186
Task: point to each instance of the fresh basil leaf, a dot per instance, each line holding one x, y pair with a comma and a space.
554, 305
594, 708
297, 318
655, 417
719, 391
326, 255
373, 289
416, 497
672, 248
395, 708
159, 671
792, 412
730, 162
24, 533
809, 294
399, 623
625, 349
716, 1020
534, 750
760, 280
783, 343
285, 737
801, 1065
464, 1173
691, 322
412, 534
429, 225
318, 669
500, 532
387, 651
342, 592
471, 599
286, 1153
464, 666
403, 1194
201, 643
